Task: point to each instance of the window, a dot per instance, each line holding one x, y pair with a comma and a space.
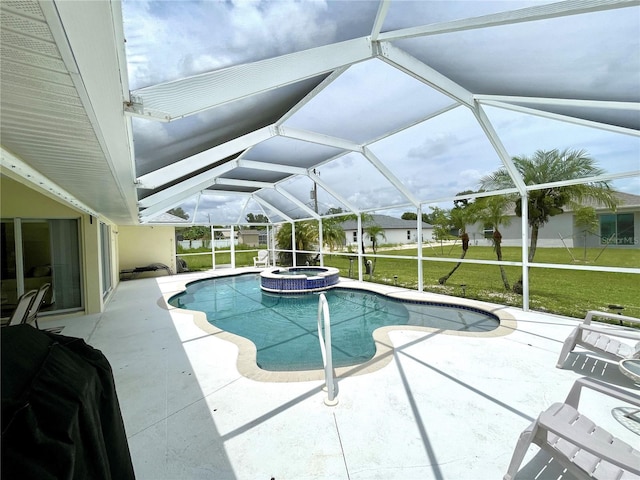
408, 234
617, 229
488, 230
355, 236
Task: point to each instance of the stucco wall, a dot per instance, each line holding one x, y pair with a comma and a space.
20, 201
17, 200
392, 236
559, 229
142, 245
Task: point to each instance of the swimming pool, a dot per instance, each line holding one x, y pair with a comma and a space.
284, 327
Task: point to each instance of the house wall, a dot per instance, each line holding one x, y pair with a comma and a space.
560, 231
393, 236
559, 228
594, 241
18, 200
142, 245
249, 237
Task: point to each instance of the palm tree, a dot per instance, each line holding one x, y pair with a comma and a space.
332, 232
374, 231
306, 239
547, 167
492, 212
463, 214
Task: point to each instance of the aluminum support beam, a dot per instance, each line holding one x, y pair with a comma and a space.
360, 251
492, 136
190, 186
191, 164
563, 118
318, 138
242, 183
381, 15
386, 173
177, 99
415, 68
269, 206
271, 167
316, 178
525, 250
295, 201
293, 245
538, 12
419, 241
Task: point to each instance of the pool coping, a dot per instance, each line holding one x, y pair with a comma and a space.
246, 362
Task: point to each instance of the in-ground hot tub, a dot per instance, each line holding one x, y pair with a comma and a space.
298, 279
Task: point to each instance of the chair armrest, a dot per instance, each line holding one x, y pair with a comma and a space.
613, 331
612, 316
587, 442
573, 398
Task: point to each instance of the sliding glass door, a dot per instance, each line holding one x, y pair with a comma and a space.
35, 252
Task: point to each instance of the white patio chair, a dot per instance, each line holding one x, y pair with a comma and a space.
34, 309
25, 301
603, 338
262, 260
584, 449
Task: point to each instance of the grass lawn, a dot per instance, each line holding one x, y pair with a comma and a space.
564, 292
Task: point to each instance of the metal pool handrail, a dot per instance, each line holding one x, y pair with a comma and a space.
331, 385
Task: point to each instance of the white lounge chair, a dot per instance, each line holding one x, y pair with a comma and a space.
603, 338
584, 449
25, 301
262, 260
34, 309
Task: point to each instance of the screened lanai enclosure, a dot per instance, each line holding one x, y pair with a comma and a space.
294, 111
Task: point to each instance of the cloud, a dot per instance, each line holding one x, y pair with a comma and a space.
174, 39
435, 146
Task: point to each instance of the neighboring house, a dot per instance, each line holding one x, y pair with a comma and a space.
619, 229
252, 238
396, 231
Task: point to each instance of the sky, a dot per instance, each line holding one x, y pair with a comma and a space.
578, 57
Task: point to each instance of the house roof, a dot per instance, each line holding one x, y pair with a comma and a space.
628, 199
361, 103
386, 222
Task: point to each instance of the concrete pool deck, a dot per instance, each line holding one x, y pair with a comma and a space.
445, 406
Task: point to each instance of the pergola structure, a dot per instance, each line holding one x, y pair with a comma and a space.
386, 106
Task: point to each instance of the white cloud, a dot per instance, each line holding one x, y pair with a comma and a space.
174, 39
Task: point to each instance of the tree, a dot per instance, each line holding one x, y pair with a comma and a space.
441, 221
462, 214
492, 212
179, 212
332, 232
547, 167
374, 231
334, 210
196, 233
426, 218
306, 238
259, 218
586, 219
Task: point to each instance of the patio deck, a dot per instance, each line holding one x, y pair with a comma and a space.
446, 407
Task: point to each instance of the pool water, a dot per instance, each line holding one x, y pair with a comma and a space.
284, 327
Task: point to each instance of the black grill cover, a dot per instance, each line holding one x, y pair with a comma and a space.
60, 414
